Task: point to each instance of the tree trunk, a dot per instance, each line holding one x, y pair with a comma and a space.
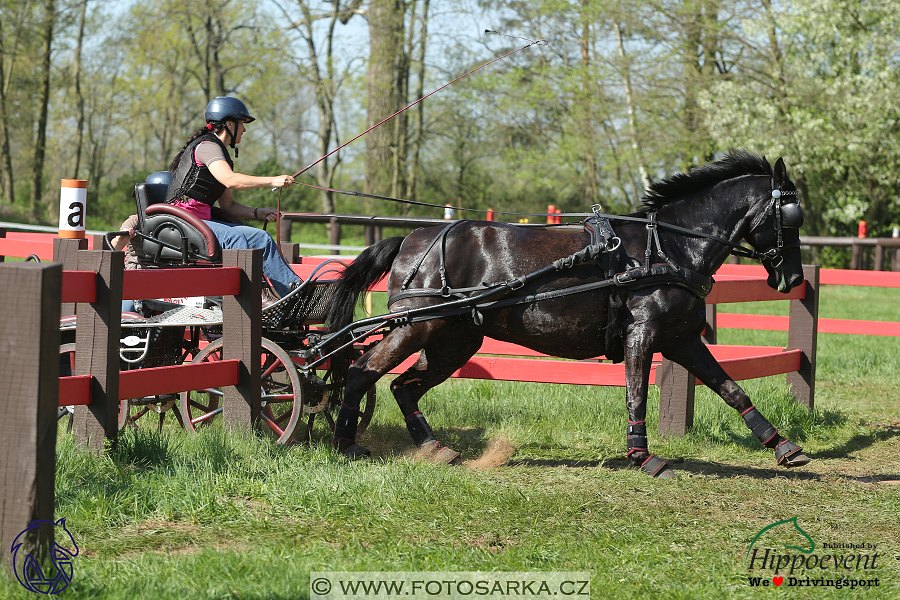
632, 115
7, 187
41, 141
588, 95
412, 181
79, 99
385, 49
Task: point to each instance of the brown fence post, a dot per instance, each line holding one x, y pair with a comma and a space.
879, 257
285, 229
676, 398
334, 234
29, 369
857, 256
97, 349
803, 334
291, 252
2, 235
65, 250
242, 331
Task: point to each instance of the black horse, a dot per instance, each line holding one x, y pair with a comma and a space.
628, 308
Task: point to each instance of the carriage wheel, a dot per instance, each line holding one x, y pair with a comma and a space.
150, 411
199, 407
321, 405
281, 393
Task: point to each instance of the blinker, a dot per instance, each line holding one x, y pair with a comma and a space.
791, 215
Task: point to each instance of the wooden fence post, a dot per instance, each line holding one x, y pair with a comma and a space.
97, 349
334, 234
284, 231
803, 334
879, 258
2, 235
65, 250
29, 337
676, 398
291, 252
242, 331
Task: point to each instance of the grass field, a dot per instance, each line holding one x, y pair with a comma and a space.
217, 516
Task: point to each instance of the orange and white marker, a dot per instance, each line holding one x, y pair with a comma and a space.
72, 204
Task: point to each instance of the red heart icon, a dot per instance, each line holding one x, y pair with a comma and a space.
777, 581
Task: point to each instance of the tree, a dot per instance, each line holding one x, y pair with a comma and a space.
386, 59
327, 81
819, 79
44, 102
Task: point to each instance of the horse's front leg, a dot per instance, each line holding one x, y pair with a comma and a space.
638, 360
694, 356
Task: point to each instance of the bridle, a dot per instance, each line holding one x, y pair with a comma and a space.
787, 216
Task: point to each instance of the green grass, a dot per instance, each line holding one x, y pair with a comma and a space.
222, 515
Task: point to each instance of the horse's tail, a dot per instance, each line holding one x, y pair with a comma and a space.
367, 268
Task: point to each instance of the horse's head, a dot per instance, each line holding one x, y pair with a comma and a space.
775, 232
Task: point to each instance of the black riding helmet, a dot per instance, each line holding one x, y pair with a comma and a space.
163, 177
226, 108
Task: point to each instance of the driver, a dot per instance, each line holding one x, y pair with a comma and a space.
203, 174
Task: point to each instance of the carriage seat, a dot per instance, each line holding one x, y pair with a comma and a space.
172, 225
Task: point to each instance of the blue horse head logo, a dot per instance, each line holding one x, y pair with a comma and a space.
28, 569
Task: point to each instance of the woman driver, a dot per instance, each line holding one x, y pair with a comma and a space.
203, 174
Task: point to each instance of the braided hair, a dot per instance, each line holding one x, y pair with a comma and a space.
214, 127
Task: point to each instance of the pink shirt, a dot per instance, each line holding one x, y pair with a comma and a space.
201, 209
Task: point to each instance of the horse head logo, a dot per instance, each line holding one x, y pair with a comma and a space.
796, 528
28, 568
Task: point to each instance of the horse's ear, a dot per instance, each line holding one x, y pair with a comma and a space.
780, 172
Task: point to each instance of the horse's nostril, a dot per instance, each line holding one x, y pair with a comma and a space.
795, 280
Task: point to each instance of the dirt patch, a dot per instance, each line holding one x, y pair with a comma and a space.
495, 454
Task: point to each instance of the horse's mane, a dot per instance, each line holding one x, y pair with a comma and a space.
735, 164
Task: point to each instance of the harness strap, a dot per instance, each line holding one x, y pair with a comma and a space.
442, 236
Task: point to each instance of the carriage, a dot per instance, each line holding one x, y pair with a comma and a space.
172, 331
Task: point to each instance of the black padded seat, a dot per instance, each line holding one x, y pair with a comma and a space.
172, 225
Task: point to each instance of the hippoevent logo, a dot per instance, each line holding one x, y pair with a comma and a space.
835, 565
28, 568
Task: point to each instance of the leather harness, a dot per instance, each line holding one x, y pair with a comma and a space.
603, 248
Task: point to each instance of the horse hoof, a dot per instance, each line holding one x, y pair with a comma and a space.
433, 452
356, 452
797, 460
658, 468
789, 454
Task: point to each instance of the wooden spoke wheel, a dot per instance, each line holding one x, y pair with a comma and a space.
200, 407
149, 411
281, 393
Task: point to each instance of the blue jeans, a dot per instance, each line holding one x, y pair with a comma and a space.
242, 237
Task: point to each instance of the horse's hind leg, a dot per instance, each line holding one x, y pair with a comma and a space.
369, 368
694, 356
439, 359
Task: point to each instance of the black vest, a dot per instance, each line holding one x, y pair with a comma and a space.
191, 181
